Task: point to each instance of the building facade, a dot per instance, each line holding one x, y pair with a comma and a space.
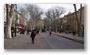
69, 22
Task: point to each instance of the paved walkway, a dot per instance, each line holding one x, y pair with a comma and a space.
23, 41
70, 36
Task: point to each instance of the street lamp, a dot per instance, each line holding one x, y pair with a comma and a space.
15, 18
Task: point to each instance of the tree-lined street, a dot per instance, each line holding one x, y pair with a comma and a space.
56, 27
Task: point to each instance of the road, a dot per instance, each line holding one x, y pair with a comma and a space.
42, 41
57, 42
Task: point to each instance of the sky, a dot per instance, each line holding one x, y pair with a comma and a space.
45, 7
67, 7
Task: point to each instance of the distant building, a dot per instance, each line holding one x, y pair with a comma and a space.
64, 23
69, 22
19, 19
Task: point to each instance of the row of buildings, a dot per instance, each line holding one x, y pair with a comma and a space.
69, 22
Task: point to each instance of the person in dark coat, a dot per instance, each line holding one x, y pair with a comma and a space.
12, 31
73, 33
50, 32
33, 34
37, 31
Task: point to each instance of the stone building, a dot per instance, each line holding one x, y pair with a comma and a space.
69, 22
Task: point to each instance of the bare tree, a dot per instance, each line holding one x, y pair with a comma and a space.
77, 19
46, 21
39, 24
55, 13
9, 17
35, 13
23, 12
81, 27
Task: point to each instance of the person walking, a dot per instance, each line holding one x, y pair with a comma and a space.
27, 31
73, 33
33, 34
50, 32
37, 31
12, 31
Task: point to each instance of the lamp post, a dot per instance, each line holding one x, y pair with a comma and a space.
15, 18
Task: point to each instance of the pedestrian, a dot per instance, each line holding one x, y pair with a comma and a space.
37, 32
33, 34
73, 33
12, 31
50, 32
27, 31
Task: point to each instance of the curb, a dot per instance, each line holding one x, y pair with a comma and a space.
80, 41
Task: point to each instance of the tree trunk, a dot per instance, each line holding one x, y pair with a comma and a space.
6, 28
81, 31
77, 19
9, 17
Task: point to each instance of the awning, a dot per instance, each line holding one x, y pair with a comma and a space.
20, 25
